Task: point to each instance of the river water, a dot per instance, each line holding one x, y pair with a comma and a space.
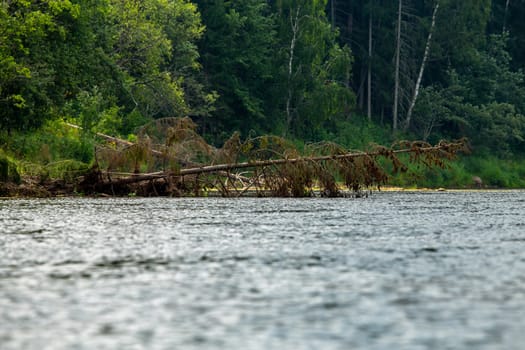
436, 270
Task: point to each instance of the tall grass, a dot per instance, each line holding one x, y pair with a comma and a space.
358, 133
53, 142
53, 151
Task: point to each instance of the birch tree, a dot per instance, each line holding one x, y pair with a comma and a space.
421, 68
294, 27
314, 70
397, 62
369, 75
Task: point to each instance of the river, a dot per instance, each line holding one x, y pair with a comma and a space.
397, 270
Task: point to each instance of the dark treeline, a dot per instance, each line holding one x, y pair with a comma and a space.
305, 69
439, 68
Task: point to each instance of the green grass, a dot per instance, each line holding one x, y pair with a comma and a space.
358, 133
498, 173
494, 172
53, 142
8, 169
53, 151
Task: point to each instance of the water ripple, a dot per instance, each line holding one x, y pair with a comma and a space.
394, 271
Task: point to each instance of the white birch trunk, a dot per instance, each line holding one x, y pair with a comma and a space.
421, 68
294, 23
396, 78
369, 90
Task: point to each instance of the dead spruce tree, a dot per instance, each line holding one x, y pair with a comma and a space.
171, 158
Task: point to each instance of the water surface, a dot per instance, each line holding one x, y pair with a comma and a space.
393, 271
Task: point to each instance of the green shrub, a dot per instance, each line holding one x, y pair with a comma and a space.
66, 170
8, 170
53, 142
4, 169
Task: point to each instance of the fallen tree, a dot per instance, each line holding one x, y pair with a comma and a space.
266, 165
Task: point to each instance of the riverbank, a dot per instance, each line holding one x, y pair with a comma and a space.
29, 188
33, 188
193, 168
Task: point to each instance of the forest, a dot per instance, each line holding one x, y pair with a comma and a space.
351, 72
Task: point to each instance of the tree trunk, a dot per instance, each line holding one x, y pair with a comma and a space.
361, 91
421, 68
504, 29
350, 26
446, 150
103, 136
369, 90
332, 13
294, 23
396, 77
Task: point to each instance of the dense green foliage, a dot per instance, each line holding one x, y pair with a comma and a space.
305, 69
107, 64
